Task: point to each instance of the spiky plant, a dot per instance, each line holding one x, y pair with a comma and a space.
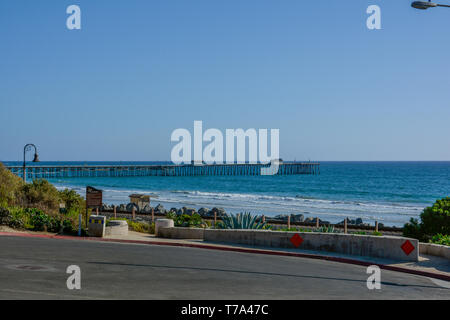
241, 221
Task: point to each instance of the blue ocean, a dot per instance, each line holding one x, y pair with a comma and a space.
389, 192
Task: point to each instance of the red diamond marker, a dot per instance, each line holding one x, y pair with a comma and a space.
407, 247
296, 240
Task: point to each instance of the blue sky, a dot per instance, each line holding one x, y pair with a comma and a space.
137, 70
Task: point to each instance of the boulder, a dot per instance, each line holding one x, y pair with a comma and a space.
314, 220
106, 207
353, 222
189, 211
130, 207
147, 209
297, 218
220, 212
203, 212
160, 209
282, 217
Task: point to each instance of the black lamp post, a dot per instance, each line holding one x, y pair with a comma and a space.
35, 159
423, 5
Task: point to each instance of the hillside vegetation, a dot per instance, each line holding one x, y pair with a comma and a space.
37, 205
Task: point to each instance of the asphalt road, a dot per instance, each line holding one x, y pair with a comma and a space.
35, 268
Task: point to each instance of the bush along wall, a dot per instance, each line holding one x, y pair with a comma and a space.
434, 224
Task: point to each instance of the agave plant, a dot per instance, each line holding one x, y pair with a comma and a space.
241, 221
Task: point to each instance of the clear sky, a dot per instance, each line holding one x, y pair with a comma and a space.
137, 70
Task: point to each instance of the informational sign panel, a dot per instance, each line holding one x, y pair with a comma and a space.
94, 197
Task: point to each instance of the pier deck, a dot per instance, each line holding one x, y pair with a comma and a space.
67, 171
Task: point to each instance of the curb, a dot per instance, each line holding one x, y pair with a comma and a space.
241, 250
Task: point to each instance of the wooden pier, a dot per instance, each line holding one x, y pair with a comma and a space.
68, 171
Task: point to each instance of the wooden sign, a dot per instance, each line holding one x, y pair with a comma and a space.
94, 197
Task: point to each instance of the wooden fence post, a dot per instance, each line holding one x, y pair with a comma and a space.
115, 212
133, 213
215, 219
345, 225
376, 226
289, 222
153, 215
317, 222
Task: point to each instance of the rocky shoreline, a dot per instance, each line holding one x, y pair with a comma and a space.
207, 213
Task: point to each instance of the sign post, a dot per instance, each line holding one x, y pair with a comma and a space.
94, 199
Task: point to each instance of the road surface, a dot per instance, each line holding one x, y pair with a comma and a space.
35, 268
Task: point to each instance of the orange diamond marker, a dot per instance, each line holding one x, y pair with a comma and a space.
407, 247
296, 240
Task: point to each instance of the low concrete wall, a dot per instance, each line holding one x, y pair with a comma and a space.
181, 233
117, 228
163, 223
435, 250
389, 247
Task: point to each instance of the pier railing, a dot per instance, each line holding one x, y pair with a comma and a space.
67, 171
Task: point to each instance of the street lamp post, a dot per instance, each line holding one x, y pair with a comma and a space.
423, 5
35, 159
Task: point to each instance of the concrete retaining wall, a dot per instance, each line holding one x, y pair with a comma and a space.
181, 233
163, 223
435, 250
389, 247
117, 228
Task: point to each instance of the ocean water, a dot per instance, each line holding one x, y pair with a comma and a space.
390, 192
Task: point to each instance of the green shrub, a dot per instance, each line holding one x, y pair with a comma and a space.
5, 216
41, 221
32, 219
171, 215
10, 187
73, 202
152, 228
412, 229
434, 220
19, 218
42, 195
441, 239
138, 226
185, 220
